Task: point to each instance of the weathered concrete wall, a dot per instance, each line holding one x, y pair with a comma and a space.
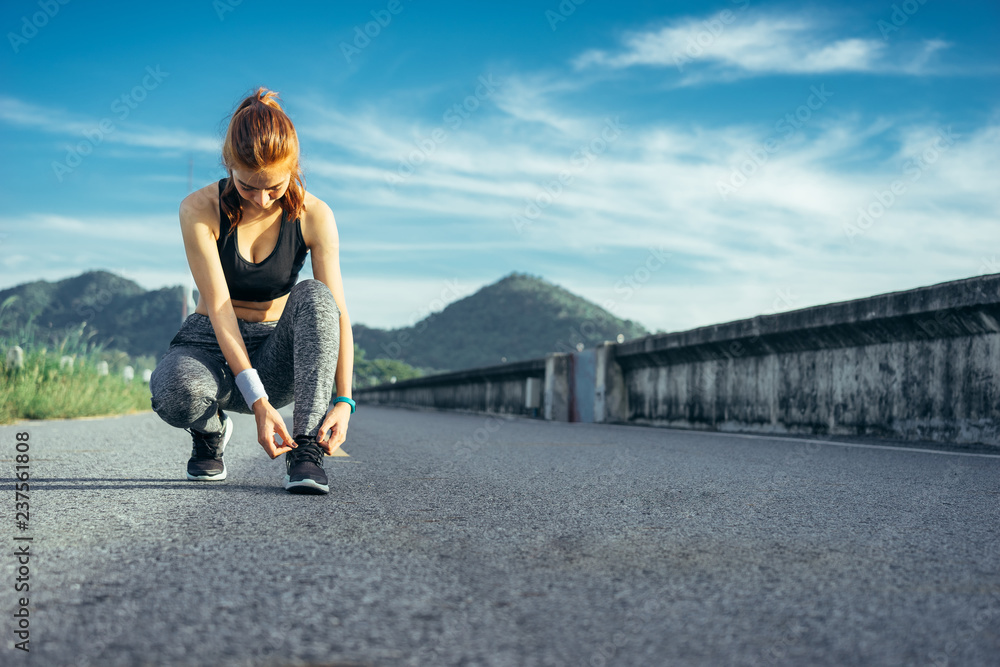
498, 389
557, 387
610, 395
921, 364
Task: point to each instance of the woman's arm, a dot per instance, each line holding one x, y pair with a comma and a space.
197, 216
324, 246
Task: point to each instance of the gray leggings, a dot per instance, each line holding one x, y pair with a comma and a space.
296, 358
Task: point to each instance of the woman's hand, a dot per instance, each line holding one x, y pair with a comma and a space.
270, 424
335, 422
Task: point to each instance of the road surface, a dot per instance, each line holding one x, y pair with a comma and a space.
464, 539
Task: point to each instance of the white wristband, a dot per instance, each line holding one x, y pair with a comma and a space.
250, 386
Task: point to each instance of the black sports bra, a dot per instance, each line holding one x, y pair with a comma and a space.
272, 277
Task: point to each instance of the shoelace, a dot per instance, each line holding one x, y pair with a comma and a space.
206, 445
307, 451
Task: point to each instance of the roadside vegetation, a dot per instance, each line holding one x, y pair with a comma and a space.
72, 376
69, 378
371, 372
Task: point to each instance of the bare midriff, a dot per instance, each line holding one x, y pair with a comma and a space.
252, 311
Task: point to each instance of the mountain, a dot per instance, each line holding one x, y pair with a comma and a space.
120, 313
519, 317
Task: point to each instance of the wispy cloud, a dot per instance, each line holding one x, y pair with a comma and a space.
733, 44
654, 185
56, 121
657, 186
79, 243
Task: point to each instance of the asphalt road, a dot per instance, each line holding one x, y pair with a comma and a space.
462, 539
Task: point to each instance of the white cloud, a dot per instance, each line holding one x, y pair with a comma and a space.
52, 247
54, 121
367, 303
732, 44
657, 185
156, 230
653, 185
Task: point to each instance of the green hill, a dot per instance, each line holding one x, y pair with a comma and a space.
519, 317
118, 313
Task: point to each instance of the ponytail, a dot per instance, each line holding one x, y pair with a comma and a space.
261, 136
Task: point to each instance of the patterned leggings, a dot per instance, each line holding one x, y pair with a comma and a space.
296, 358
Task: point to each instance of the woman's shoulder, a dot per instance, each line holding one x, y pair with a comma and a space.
314, 208
317, 221
202, 206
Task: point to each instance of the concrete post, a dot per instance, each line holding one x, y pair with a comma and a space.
557, 387
610, 404
533, 393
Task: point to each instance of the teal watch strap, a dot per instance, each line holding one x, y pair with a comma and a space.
344, 399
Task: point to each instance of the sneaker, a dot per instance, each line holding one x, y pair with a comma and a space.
206, 462
304, 468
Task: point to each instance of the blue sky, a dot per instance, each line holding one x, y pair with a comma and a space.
680, 163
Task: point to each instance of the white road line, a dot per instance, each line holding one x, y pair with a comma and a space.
846, 444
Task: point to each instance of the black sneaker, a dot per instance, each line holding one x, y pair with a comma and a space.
304, 468
206, 464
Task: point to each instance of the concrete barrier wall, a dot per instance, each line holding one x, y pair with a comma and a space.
500, 389
922, 364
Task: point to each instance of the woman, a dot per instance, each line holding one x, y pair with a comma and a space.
258, 339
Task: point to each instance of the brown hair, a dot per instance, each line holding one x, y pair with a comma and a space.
261, 135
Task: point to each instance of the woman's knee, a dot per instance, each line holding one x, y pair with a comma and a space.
181, 390
316, 293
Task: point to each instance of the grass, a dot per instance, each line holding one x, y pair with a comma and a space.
40, 389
